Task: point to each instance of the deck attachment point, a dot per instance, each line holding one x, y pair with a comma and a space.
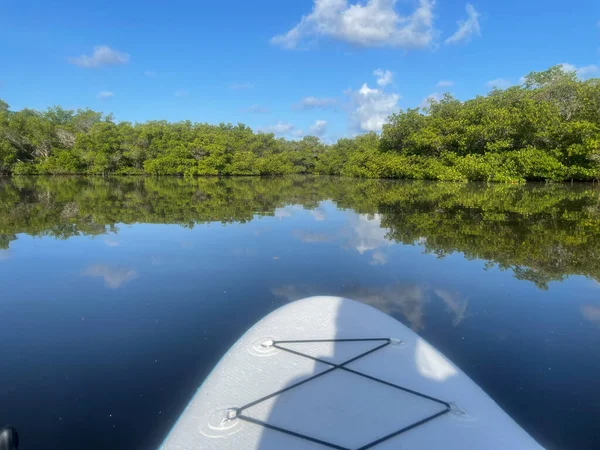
221, 423
395, 342
268, 343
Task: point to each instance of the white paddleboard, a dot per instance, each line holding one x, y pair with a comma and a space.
365, 381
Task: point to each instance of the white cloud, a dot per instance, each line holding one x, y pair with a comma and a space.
378, 259
181, 93
297, 133
282, 129
591, 313
318, 214
384, 77
315, 103
149, 73
445, 83
104, 95
373, 23
466, 28
102, 56
372, 107
114, 277
240, 86
287, 211
319, 128
279, 128
368, 233
282, 213
581, 72
499, 83
434, 96
257, 109
456, 305
566, 67
111, 242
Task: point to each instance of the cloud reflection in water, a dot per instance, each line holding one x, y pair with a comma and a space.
114, 277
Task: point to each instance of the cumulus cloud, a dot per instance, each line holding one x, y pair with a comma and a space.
104, 95
371, 107
318, 214
591, 313
499, 83
315, 103
297, 133
566, 67
466, 28
364, 234
240, 86
319, 128
434, 96
368, 233
111, 242
279, 128
287, 211
102, 56
455, 304
114, 277
257, 109
374, 23
384, 77
378, 259
445, 83
581, 72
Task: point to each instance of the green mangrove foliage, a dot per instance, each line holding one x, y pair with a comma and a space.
540, 232
547, 128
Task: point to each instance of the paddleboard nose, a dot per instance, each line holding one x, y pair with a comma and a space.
9, 439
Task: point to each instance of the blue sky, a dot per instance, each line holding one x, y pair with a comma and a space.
288, 66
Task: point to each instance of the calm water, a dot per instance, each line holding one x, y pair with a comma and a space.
118, 297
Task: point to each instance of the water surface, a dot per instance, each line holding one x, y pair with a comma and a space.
118, 296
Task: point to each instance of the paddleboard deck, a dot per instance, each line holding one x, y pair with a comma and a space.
329, 372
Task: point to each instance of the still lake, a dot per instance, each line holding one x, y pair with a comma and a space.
118, 296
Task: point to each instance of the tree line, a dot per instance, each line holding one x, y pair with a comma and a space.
541, 233
547, 128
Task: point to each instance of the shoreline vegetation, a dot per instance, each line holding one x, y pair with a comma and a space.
546, 129
539, 232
